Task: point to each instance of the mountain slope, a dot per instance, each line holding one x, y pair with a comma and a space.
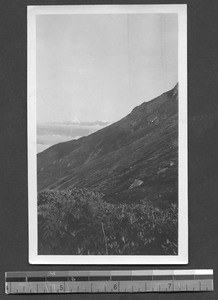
133, 159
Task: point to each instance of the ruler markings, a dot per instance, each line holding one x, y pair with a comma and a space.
196, 286
106, 281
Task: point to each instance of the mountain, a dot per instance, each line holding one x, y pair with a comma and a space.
134, 159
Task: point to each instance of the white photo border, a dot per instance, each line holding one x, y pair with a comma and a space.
182, 257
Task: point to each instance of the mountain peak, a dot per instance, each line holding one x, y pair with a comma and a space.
152, 112
75, 120
154, 103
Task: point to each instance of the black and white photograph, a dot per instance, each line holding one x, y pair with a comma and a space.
107, 134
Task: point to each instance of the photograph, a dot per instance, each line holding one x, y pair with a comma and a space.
107, 134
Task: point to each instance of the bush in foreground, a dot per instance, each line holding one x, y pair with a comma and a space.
80, 222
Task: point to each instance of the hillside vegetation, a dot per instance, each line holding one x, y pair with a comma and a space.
79, 222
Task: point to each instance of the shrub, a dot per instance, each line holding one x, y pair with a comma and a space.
80, 222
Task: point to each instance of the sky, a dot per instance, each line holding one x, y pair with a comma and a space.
99, 67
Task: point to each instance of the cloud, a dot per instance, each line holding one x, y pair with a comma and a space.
51, 134
46, 141
41, 148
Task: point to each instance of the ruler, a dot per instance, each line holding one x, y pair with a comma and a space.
117, 281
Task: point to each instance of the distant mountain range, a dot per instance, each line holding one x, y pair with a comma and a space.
134, 159
82, 123
76, 121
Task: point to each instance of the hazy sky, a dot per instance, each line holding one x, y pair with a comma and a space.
99, 67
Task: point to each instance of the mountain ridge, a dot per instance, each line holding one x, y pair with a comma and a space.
141, 146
